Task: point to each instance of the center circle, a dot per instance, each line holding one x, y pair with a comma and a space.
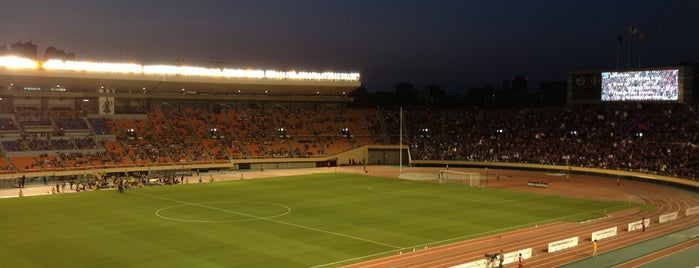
223, 211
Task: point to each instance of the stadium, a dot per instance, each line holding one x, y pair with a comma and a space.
541, 182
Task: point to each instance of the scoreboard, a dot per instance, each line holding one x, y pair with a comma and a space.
586, 86
647, 85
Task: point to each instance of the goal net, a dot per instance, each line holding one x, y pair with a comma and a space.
471, 178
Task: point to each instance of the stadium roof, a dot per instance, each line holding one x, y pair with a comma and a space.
171, 84
128, 78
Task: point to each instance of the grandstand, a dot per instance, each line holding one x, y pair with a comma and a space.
61, 118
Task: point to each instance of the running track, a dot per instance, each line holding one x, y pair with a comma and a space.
666, 199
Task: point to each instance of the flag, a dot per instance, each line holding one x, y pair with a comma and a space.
641, 36
633, 30
619, 38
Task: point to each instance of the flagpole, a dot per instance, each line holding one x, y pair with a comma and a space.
639, 51
633, 31
618, 42
400, 146
628, 52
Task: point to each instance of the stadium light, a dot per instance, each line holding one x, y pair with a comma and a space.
272, 74
14, 62
105, 67
345, 132
94, 67
239, 73
424, 132
165, 70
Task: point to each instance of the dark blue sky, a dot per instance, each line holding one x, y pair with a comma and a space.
456, 44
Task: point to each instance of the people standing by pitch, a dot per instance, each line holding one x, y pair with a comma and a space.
501, 257
120, 186
520, 261
594, 248
643, 224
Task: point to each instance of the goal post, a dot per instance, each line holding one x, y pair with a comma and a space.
472, 179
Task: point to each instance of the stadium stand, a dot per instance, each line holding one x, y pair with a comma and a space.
50, 162
652, 138
6, 166
655, 138
14, 145
7, 125
24, 164
99, 126
68, 124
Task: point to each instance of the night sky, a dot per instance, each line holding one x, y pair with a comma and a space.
456, 44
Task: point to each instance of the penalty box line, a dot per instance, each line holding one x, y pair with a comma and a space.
272, 220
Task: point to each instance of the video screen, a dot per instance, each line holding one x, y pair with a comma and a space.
650, 85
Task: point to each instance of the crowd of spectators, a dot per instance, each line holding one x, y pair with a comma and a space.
30, 122
7, 124
15, 145
658, 138
62, 144
85, 143
99, 126
46, 143
375, 130
74, 159
71, 123
104, 159
47, 162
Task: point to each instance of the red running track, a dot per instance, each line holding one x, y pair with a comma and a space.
666, 199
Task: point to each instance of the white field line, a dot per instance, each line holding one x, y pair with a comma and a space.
275, 221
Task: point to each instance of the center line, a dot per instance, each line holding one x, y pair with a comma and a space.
272, 220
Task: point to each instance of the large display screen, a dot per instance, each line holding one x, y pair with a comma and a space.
649, 85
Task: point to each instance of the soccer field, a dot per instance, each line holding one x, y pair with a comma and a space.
317, 220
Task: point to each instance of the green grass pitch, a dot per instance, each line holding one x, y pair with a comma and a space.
319, 220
